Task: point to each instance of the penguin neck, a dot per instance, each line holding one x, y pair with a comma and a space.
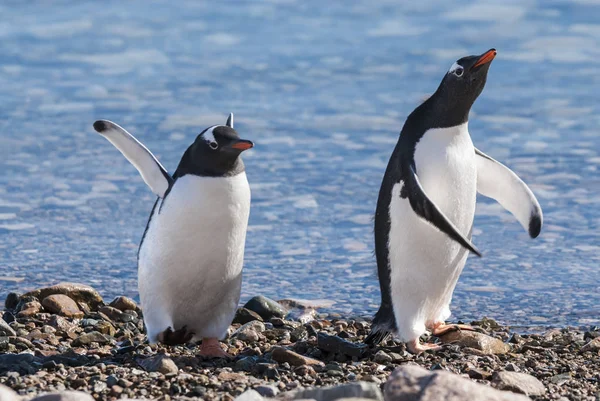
207, 165
447, 110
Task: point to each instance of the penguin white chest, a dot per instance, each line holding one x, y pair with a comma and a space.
190, 262
425, 263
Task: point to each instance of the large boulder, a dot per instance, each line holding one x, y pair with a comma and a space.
77, 292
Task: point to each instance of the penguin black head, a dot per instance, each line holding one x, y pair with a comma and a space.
460, 87
215, 152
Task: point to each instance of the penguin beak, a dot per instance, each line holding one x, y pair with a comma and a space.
485, 58
242, 144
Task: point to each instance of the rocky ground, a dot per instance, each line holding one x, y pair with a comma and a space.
66, 338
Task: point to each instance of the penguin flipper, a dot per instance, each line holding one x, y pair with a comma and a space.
500, 183
152, 172
425, 208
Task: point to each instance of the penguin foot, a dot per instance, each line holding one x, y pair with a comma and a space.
177, 337
439, 329
415, 347
211, 348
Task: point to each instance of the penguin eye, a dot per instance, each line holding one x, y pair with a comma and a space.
213, 145
459, 71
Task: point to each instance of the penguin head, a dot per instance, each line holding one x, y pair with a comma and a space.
464, 82
216, 151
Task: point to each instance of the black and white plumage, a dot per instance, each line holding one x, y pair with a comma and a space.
191, 254
426, 207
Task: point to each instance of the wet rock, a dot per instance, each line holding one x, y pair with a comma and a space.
267, 390
472, 339
249, 331
265, 307
29, 309
592, 346
65, 396
414, 383
77, 292
243, 316
12, 300
519, 383
366, 390
62, 305
282, 355
5, 329
124, 303
249, 395
6, 394
88, 338
159, 363
338, 345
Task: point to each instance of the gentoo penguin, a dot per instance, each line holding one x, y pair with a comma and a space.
426, 207
191, 254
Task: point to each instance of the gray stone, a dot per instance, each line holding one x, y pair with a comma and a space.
367, 390
65, 396
91, 337
243, 316
12, 300
249, 395
414, 383
267, 390
472, 339
592, 346
265, 307
382, 357
6, 394
77, 292
5, 329
159, 363
282, 355
61, 304
519, 383
249, 331
338, 345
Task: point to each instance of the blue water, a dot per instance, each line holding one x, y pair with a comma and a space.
323, 90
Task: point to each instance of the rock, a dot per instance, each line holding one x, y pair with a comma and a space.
282, 355
243, 316
65, 396
88, 338
338, 345
479, 374
6, 394
561, 379
29, 309
61, 304
249, 331
267, 390
472, 339
249, 395
77, 292
592, 346
382, 357
159, 363
366, 390
414, 383
60, 323
124, 303
117, 315
265, 307
5, 329
519, 383
12, 300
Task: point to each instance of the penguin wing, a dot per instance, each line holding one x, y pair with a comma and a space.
153, 173
498, 182
424, 207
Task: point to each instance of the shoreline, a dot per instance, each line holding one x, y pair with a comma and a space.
66, 337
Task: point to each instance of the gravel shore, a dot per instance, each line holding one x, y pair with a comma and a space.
67, 338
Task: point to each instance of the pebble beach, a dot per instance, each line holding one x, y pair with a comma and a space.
67, 338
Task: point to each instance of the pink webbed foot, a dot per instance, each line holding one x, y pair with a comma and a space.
211, 348
439, 329
415, 347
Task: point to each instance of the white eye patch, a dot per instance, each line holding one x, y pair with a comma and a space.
454, 67
209, 137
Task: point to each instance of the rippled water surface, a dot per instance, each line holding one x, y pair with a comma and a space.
323, 90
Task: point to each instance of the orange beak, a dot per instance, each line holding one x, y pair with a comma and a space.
485, 58
242, 144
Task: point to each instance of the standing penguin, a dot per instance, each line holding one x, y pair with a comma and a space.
192, 251
426, 207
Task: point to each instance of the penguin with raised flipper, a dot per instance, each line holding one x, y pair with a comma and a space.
426, 207
192, 251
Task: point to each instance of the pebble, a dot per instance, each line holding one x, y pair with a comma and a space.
366, 390
5, 329
382, 357
479, 341
65, 396
283, 355
159, 363
339, 345
519, 383
265, 307
249, 332
124, 303
592, 346
88, 338
267, 390
243, 316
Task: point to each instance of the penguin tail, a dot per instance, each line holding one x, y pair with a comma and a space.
384, 324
